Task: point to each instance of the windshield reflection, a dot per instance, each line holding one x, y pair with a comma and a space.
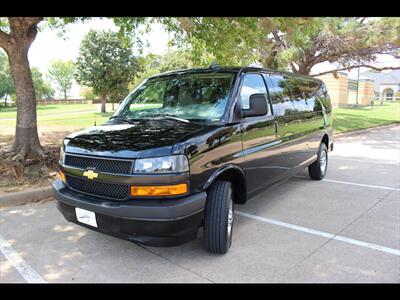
190, 96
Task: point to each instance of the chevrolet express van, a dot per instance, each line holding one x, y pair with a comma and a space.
186, 146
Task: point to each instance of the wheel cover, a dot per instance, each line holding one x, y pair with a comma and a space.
323, 159
230, 217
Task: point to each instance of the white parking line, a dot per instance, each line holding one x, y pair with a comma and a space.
321, 233
26, 271
358, 184
393, 162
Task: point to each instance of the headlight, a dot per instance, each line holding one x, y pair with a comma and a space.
62, 154
166, 164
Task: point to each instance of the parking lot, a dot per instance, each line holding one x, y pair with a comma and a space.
345, 228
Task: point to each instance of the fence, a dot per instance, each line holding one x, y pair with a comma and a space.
68, 101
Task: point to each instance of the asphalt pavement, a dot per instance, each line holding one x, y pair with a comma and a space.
345, 228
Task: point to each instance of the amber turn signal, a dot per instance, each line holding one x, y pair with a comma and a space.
62, 176
159, 190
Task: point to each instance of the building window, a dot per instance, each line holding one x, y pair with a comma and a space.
388, 94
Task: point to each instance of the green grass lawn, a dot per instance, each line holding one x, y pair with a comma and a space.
62, 116
75, 121
349, 119
55, 109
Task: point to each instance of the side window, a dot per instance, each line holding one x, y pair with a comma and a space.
293, 94
252, 84
301, 90
304, 93
280, 95
323, 96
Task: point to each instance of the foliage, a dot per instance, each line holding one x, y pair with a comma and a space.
43, 89
153, 64
105, 64
6, 82
294, 43
87, 93
62, 74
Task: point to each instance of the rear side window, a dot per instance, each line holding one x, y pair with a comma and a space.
303, 93
294, 94
280, 95
323, 96
252, 84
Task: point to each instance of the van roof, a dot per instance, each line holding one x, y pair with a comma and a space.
229, 69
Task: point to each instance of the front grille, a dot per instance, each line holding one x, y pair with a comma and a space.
97, 188
99, 164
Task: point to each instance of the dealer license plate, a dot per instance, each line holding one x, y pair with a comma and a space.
86, 216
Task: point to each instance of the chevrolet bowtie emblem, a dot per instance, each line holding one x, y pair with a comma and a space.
90, 174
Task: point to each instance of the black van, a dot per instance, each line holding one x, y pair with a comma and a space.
185, 146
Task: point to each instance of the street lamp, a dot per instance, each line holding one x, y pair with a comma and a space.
358, 82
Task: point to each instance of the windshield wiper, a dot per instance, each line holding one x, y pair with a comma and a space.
126, 120
169, 117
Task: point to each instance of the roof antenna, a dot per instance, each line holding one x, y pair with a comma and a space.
94, 113
214, 65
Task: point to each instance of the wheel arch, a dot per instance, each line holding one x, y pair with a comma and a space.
236, 176
325, 140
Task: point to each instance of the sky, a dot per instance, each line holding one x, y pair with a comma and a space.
49, 46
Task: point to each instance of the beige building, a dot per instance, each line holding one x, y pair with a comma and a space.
345, 93
372, 86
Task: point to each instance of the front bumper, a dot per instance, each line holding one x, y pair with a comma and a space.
164, 222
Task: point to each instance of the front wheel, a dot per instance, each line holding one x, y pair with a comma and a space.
317, 169
218, 218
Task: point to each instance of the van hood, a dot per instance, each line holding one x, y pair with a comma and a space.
145, 138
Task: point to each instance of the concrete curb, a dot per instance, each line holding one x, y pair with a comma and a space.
20, 198
360, 131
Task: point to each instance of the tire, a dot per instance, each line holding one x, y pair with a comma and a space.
219, 208
317, 170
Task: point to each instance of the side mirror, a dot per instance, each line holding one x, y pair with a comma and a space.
258, 106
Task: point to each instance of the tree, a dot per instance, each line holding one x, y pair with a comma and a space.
117, 95
296, 44
43, 89
106, 64
153, 64
87, 93
16, 36
62, 74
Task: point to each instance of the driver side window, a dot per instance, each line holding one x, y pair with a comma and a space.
252, 84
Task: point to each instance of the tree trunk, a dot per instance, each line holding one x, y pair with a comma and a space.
26, 141
65, 94
103, 102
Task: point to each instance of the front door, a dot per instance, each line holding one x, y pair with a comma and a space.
294, 122
258, 138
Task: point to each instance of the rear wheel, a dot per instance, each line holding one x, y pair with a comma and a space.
317, 169
218, 219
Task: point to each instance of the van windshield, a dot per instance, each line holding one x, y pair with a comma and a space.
196, 97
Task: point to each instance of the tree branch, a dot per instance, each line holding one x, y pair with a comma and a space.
293, 67
362, 20
23, 30
4, 40
278, 39
356, 66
